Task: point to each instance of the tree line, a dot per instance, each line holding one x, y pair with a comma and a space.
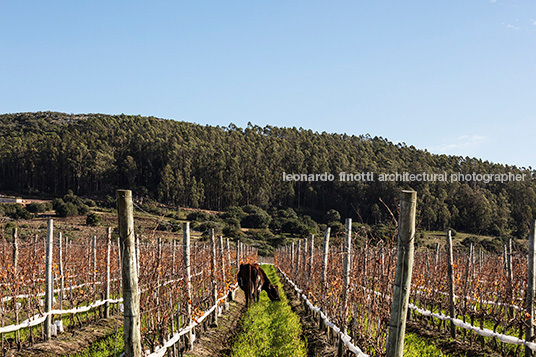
212, 167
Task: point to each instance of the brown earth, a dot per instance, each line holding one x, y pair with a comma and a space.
217, 341
317, 340
454, 348
72, 341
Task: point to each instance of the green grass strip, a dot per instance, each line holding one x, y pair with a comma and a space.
414, 346
270, 328
111, 345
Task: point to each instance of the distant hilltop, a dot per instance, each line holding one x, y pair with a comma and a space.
212, 167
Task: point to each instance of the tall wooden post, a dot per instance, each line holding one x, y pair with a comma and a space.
510, 274
237, 256
436, 256
131, 295
94, 250
323, 276
531, 283
188, 279
450, 281
222, 263
15, 251
107, 291
60, 268
173, 245
15, 270
346, 280
213, 276
311, 262
49, 294
228, 254
325, 254
298, 260
404, 267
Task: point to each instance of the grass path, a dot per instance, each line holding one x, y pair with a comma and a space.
270, 328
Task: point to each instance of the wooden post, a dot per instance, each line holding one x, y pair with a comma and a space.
404, 267
213, 276
311, 263
222, 264
436, 257
173, 257
346, 280
15, 269
94, 250
60, 268
131, 295
325, 253
303, 268
15, 251
450, 281
107, 291
237, 256
228, 254
298, 260
510, 275
323, 280
187, 278
531, 283
49, 294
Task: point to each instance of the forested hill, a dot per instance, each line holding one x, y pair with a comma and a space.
213, 167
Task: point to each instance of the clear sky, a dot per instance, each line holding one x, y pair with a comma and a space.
455, 77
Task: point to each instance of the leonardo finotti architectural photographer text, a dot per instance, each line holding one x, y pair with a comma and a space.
404, 177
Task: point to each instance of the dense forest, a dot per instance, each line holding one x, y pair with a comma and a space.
186, 164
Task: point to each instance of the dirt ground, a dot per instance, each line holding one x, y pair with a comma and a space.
72, 341
442, 340
317, 340
217, 341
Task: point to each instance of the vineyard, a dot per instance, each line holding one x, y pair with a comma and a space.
50, 284
168, 288
348, 284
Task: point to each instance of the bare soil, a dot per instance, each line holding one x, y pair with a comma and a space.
456, 348
72, 341
217, 341
316, 340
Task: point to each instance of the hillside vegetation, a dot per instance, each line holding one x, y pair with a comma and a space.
191, 165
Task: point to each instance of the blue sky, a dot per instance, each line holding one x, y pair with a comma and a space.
454, 77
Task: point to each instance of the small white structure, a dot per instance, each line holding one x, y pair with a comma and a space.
10, 199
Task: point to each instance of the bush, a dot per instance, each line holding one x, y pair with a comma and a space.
257, 217
232, 231
15, 211
69, 205
89, 202
198, 216
234, 212
333, 215
66, 209
36, 207
207, 225
93, 219
263, 235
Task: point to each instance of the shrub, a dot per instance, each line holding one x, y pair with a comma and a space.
198, 216
333, 215
232, 231
234, 212
89, 202
36, 207
15, 211
93, 219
